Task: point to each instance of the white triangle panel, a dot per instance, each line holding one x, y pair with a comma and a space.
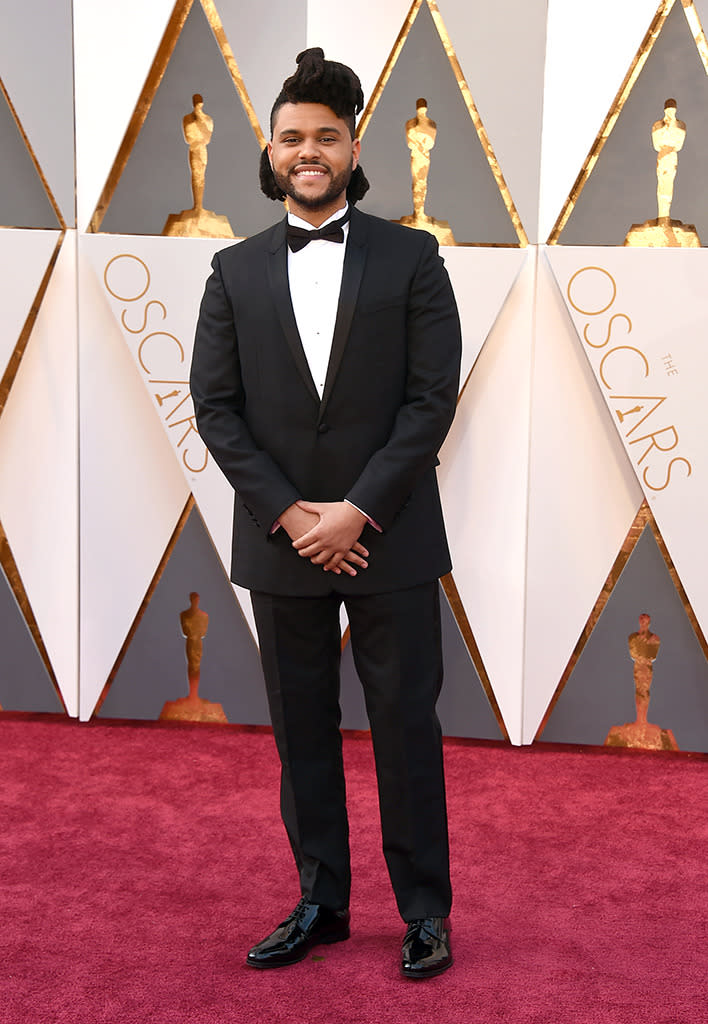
481, 279
24, 257
132, 490
583, 498
641, 315
114, 47
39, 472
483, 476
589, 50
158, 329
363, 42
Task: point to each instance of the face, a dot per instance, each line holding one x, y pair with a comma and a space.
312, 155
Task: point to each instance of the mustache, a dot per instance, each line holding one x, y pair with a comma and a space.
313, 163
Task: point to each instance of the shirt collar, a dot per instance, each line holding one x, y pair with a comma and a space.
300, 223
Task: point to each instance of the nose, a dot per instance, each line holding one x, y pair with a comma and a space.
309, 150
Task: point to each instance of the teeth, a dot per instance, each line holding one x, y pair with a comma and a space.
310, 174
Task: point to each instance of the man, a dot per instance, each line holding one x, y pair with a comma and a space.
324, 381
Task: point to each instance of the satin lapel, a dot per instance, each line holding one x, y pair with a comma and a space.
277, 262
352, 273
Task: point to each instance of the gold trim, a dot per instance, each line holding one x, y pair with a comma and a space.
152, 82
12, 573
456, 606
13, 365
50, 196
163, 56
466, 95
690, 614
643, 518
608, 124
217, 28
455, 602
177, 532
477, 120
388, 68
699, 36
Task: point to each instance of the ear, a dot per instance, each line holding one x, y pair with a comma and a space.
269, 147
356, 151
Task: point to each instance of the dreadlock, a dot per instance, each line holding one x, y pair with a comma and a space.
319, 81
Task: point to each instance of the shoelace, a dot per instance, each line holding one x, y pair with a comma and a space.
424, 928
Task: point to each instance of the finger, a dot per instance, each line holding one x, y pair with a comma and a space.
356, 560
307, 540
345, 561
329, 558
360, 549
309, 550
308, 506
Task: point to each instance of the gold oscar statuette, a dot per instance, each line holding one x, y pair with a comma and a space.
420, 136
198, 129
193, 708
642, 734
667, 136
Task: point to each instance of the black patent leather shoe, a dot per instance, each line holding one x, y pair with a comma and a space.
309, 925
426, 948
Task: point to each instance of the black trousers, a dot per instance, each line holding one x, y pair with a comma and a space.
396, 646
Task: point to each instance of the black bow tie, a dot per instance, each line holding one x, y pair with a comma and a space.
299, 237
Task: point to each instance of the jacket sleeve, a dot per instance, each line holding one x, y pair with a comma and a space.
434, 350
219, 401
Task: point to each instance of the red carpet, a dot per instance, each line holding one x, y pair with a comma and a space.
138, 863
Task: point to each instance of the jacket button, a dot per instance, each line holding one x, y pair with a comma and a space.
323, 428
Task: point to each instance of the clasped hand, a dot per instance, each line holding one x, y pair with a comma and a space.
327, 532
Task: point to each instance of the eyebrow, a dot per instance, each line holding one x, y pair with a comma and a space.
319, 131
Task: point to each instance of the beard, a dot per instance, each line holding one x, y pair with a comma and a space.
337, 185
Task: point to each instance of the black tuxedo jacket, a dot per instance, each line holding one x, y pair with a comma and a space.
389, 399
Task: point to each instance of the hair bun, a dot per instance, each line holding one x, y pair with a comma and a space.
311, 65
314, 51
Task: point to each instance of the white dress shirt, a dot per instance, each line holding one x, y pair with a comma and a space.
315, 280
315, 277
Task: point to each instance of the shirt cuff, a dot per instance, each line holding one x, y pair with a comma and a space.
370, 521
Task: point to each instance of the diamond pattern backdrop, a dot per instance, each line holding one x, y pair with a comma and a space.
574, 478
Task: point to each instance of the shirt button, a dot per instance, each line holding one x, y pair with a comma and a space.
323, 428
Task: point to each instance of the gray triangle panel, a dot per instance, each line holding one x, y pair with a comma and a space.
25, 684
600, 692
461, 187
621, 190
154, 669
23, 199
351, 697
156, 181
36, 56
463, 707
